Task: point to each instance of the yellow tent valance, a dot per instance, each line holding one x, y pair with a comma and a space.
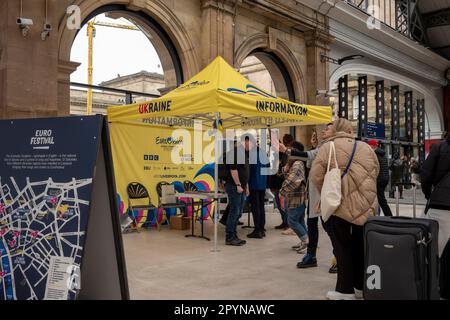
219, 89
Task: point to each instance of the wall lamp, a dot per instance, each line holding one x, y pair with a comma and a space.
325, 58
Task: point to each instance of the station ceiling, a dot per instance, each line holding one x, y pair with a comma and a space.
436, 20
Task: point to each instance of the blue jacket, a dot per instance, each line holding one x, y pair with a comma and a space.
257, 180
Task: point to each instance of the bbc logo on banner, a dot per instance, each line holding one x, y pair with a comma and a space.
150, 157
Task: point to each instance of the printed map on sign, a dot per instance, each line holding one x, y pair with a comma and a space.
40, 221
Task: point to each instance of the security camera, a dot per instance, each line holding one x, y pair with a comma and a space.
24, 22
46, 32
24, 25
47, 27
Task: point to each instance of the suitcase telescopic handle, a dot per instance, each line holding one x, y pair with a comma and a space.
397, 196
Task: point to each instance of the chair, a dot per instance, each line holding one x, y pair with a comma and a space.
176, 204
136, 191
190, 186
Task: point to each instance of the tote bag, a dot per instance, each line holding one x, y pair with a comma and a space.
331, 196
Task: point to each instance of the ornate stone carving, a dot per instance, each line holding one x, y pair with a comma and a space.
273, 38
229, 6
318, 38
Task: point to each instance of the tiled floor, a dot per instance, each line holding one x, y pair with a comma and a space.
166, 265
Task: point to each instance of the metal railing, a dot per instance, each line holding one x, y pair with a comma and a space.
401, 15
383, 10
128, 93
103, 97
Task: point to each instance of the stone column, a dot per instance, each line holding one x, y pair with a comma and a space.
218, 27
317, 77
28, 65
65, 69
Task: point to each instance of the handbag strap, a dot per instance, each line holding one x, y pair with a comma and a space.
329, 157
351, 159
332, 151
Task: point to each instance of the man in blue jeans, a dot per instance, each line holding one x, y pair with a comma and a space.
236, 185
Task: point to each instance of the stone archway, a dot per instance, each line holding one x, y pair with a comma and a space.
167, 33
432, 105
260, 43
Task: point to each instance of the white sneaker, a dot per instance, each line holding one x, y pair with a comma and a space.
297, 246
334, 295
359, 294
302, 248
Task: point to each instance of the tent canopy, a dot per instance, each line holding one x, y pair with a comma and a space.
221, 90
219, 93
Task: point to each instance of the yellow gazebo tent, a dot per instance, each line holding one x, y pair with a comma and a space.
219, 89
220, 94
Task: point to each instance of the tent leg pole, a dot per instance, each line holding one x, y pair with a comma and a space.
216, 183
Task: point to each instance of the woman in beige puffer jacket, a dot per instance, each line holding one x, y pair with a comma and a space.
359, 201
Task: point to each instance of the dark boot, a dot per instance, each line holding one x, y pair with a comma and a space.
255, 235
308, 261
311, 251
235, 242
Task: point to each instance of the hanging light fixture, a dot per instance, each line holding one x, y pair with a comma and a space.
325, 58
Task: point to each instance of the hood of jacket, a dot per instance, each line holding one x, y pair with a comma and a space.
340, 135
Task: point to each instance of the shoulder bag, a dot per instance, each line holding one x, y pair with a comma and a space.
331, 195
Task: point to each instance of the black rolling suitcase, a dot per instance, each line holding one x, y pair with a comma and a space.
401, 258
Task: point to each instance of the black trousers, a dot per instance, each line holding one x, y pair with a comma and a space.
382, 200
349, 247
313, 233
258, 211
392, 191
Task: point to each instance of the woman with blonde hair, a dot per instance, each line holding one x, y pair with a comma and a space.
359, 166
313, 211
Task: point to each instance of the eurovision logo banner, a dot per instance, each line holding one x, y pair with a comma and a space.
143, 154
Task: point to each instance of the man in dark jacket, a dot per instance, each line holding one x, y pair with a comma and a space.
236, 186
383, 177
223, 177
436, 187
258, 185
397, 167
